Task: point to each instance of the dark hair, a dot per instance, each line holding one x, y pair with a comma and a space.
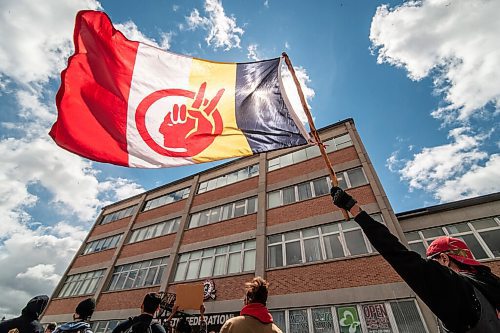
51, 326
256, 290
85, 308
183, 326
151, 302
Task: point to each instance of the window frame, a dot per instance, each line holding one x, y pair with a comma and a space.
231, 208
241, 174
225, 251
426, 241
152, 229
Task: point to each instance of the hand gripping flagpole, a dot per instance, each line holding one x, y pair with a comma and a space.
314, 133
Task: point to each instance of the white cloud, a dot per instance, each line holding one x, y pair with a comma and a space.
452, 171
252, 52
266, 3
477, 181
222, 30
35, 173
287, 45
455, 42
33, 262
35, 44
166, 39
132, 32
291, 89
175, 7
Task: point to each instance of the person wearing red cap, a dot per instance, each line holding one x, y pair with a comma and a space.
463, 293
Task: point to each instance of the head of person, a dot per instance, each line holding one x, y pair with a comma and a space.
453, 253
183, 326
50, 327
151, 303
256, 291
84, 309
35, 306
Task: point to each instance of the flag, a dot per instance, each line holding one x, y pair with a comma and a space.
132, 104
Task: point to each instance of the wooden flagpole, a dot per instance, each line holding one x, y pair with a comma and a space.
314, 133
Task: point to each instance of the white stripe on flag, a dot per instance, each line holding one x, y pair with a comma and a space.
154, 70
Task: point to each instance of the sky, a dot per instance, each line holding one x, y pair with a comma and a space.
421, 79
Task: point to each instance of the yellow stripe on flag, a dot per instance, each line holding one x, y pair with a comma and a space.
232, 142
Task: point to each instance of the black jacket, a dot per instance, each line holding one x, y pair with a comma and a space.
27, 322
448, 294
140, 325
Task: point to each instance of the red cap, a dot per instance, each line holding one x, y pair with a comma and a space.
455, 248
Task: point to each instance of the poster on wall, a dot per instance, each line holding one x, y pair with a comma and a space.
348, 319
376, 318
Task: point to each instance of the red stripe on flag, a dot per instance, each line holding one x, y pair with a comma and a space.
93, 97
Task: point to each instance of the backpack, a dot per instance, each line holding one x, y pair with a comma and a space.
138, 327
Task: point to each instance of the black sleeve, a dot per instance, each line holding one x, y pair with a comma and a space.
123, 326
445, 292
157, 328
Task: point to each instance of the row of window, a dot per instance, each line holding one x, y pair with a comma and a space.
229, 178
120, 214
309, 152
102, 244
314, 188
216, 261
331, 241
155, 230
81, 284
167, 198
139, 274
385, 317
224, 212
482, 237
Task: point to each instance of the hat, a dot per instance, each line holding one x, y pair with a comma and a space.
85, 308
455, 248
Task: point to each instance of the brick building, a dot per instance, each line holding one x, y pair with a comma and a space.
269, 215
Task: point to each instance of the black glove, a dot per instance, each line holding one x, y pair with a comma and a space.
341, 199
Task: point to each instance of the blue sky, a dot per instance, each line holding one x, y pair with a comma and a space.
420, 79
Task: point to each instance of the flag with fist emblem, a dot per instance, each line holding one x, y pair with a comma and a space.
131, 104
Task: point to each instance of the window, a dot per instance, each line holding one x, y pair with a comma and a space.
104, 326
230, 178
315, 188
155, 230
102, 244
331, 241
482, 236
111, 217
298, 321
407, 317
167, 198
385, 317
139, 274
81, 284
225, 212
221, 260
308, 152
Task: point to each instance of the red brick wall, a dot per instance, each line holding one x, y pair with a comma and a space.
314, 164
173, 207
94, 258
64, 305
220, 229
150, 245
118, 224
333, 275
315, 206
124, 299
228, 288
